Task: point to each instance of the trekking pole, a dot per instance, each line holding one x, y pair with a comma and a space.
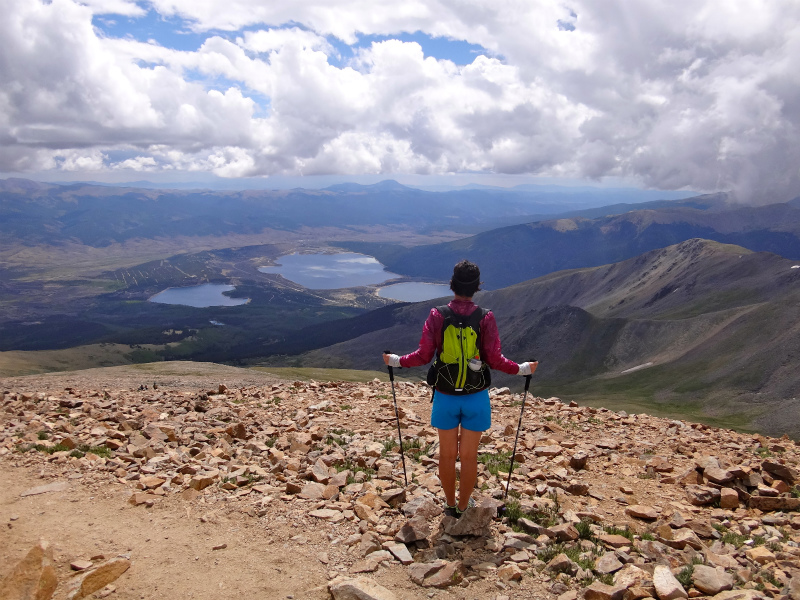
519, 426
397, 414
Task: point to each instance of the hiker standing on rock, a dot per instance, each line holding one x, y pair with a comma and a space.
464, 339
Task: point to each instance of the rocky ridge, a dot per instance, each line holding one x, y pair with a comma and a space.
603, 505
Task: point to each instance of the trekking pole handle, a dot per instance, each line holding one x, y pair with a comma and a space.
391, 369
528, 377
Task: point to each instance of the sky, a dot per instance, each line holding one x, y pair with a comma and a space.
680, 94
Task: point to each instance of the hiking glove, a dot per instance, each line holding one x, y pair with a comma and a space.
526, 368
394, 361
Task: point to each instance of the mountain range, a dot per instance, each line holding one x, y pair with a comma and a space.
688, 307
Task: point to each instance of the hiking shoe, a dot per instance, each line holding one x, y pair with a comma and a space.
470, 504
452, 511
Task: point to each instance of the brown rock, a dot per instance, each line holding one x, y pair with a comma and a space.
416, 528
313, 491
360, 588
766, 503
717, 475
701, 495
509, 572
608, 563
80, 565
760, 555
561, 563
615, 541
138, 499
578, 460
91, 580
419, 571
779, 470
548, 451
641, 511
710, 580
32, 578
601, 591
565, 532
667, 587
702, 529
474, 521
728, 498
445, 577
201, 482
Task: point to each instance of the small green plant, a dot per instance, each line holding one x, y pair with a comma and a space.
585, 529
269, 442
647, 475
774, 546
759, 540
606, 578
763, 452
795, 492
345, 406
737, 540
594, 421
685, 576
496, 462
649, 537
768, 576
720, 527
42, 435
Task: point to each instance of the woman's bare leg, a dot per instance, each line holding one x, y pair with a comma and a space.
468, 451
448, 451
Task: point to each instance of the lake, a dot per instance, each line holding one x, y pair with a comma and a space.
414, 291
331, 271
199, 296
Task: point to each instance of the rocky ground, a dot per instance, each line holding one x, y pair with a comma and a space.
240, 484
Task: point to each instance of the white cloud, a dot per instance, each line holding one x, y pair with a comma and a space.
691, 93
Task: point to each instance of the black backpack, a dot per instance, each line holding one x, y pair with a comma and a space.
450, 372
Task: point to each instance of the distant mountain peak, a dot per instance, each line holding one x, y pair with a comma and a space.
383, 186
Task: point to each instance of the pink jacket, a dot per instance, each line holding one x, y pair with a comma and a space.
431, 341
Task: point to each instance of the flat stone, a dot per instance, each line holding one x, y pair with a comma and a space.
419, 571
710, 580
702, 529
718, 476
701, 495
561, 563
447, 576
614, 540
80, 565
509, 572
313, 491
766, 503
667, 587
360, 588
366, 565
33, 577
780, 470
201, 482
565, 532
327, 514
601, 591
608, 563
760, 555
548, 451
640, 511
401, 553
96, 578
632, 576
58, 486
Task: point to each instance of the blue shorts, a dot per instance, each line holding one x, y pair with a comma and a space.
471, 411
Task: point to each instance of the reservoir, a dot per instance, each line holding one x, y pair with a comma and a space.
199, 296
331, 271
414, 291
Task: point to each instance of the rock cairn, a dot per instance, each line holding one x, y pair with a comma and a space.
604, 505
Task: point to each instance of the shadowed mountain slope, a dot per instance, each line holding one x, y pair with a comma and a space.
703, 329
520, 252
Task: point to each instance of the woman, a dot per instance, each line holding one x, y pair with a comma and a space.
459, 415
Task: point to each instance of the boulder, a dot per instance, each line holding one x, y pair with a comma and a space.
667, 587
601, 591
32, 578
474, 521
701, 495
